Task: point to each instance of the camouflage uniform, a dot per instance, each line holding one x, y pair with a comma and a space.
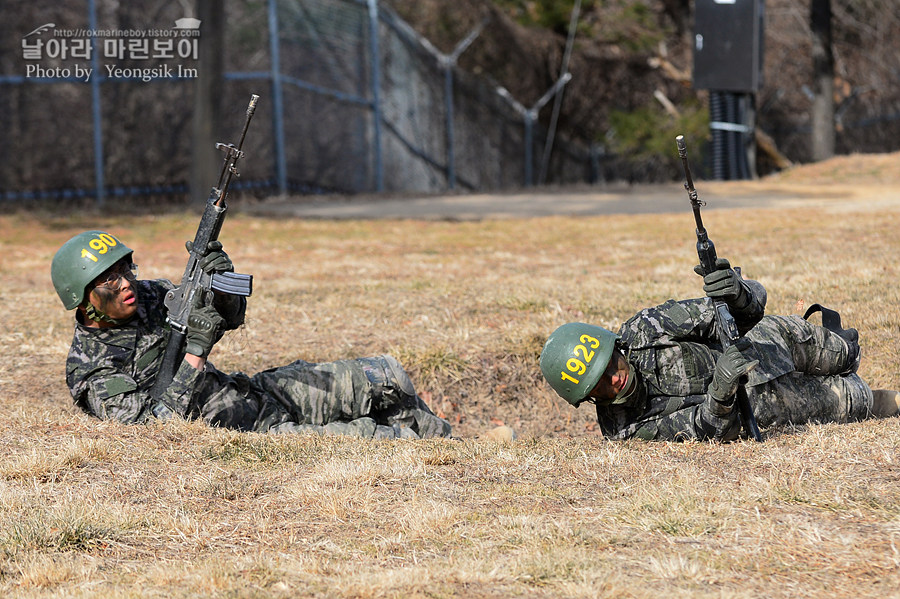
805, 373
110, 373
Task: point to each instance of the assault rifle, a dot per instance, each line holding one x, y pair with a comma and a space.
196, 286
727, 328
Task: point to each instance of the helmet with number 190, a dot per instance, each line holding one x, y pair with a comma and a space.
574, 358
81, 260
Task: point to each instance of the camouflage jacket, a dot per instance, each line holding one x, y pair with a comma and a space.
673, 351
110, 371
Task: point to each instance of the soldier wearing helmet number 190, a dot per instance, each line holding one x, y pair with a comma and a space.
121, 335
665, 376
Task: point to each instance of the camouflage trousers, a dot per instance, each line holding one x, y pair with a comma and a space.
363, 397
822, 386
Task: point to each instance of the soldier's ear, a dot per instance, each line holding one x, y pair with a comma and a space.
80, 314
82, 307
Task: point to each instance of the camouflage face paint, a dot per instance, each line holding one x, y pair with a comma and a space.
113, 305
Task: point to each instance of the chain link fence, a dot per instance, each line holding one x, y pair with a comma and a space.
98, 100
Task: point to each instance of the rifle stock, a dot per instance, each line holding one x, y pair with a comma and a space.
725, 324
196, 286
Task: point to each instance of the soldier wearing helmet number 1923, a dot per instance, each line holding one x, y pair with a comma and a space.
121, 335
665, 376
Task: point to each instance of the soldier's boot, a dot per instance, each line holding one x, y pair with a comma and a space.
885, 403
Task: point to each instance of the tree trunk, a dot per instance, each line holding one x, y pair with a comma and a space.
823, 81
205, 159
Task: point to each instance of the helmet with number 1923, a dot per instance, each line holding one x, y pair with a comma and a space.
574, 358
81, 260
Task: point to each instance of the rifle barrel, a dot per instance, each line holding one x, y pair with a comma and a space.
689, 182
233, 154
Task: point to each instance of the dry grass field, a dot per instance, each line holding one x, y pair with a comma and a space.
95, 509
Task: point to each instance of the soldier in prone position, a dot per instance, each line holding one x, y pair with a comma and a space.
665, 375
121, 335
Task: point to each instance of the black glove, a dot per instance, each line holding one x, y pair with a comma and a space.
215, 261
724, 284
205, 327
730, 367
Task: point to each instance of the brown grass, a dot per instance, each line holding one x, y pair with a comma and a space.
95, 509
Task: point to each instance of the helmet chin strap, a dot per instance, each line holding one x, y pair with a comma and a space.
92, 312
627, 389
632, 380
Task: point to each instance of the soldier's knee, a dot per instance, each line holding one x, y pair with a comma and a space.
398, 375
390, 383
851, 339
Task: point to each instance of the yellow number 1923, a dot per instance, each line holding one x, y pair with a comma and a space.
578, 366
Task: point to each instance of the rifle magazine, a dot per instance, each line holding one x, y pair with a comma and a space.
232, 283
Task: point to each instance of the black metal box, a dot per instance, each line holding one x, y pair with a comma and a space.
728, 44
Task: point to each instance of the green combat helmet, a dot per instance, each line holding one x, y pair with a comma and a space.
574, 358
81, 260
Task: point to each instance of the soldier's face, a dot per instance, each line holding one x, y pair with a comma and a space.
114, 293
614, 379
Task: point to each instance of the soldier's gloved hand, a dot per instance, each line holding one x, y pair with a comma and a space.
205, 327
215, 261
730, 367
724, 284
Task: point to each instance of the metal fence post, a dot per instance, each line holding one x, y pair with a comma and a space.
530, 117
376, 92
97, 114
557, 102
277, 103
448, 100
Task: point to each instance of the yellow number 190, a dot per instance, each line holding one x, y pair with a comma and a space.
101, 243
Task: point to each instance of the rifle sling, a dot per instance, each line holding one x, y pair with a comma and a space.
831, 320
